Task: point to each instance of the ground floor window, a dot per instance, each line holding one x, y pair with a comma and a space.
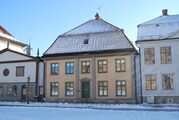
102, 88
1, 90
69, 88
151, 82
30, 90
12, 90
121, 88
24, 90
54, 89
41, 90
167, 82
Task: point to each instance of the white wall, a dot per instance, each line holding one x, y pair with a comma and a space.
159, 68
138, 80
10, 56
41, 74
30, 70
3, 45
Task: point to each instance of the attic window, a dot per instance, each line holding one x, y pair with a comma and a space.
85, 41
157, 25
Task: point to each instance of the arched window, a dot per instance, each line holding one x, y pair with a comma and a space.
12, 90
24, 89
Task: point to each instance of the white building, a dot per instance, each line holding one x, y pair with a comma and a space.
16, 67
158, 40
8, 40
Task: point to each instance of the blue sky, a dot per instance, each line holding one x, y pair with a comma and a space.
41, 21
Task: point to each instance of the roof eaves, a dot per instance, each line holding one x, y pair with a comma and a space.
16, 42
7, 49
5, 31
91, 52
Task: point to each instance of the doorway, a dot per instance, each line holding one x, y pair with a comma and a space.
23, 92
85, 88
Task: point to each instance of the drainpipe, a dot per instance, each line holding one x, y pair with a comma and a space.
77, 80
140, 75
135, 77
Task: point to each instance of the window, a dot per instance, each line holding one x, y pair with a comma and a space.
102, 88
69, 88
54, 89
165, 54
12, 90
149, 55
54, 68
30, 90
6, 72
167, 82
121, 88
102, 66
1, 90
157, 25
85, 41
24, 90
41, 90
69, 68
85, 67
151, 82
120, 65
20, 71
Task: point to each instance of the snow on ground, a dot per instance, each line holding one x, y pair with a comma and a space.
148, 107
70, 111
47, 113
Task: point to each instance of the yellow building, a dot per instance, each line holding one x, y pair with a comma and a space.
93, 62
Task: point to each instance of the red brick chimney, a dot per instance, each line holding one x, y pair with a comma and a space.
97, 17
165, 12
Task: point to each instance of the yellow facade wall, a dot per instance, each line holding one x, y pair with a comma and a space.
111, 76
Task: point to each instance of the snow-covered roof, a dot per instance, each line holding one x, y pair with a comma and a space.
92, 26
162, 19
5, 34
161, 27
100, 35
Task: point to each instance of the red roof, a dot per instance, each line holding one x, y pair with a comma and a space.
4, 31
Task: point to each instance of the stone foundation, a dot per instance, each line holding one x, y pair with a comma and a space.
109, 101
166, 99
18, 96
162, 100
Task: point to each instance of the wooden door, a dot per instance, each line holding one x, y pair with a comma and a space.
85, 88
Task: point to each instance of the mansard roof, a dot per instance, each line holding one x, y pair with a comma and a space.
160, 28
98, 34
92, 26
163, 20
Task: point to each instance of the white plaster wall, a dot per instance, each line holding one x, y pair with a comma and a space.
3, 45
30, 70
10, 56
159, 68
41, 74
138, 82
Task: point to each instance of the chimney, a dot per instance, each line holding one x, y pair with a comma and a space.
165, 12
122, 30
97, 17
